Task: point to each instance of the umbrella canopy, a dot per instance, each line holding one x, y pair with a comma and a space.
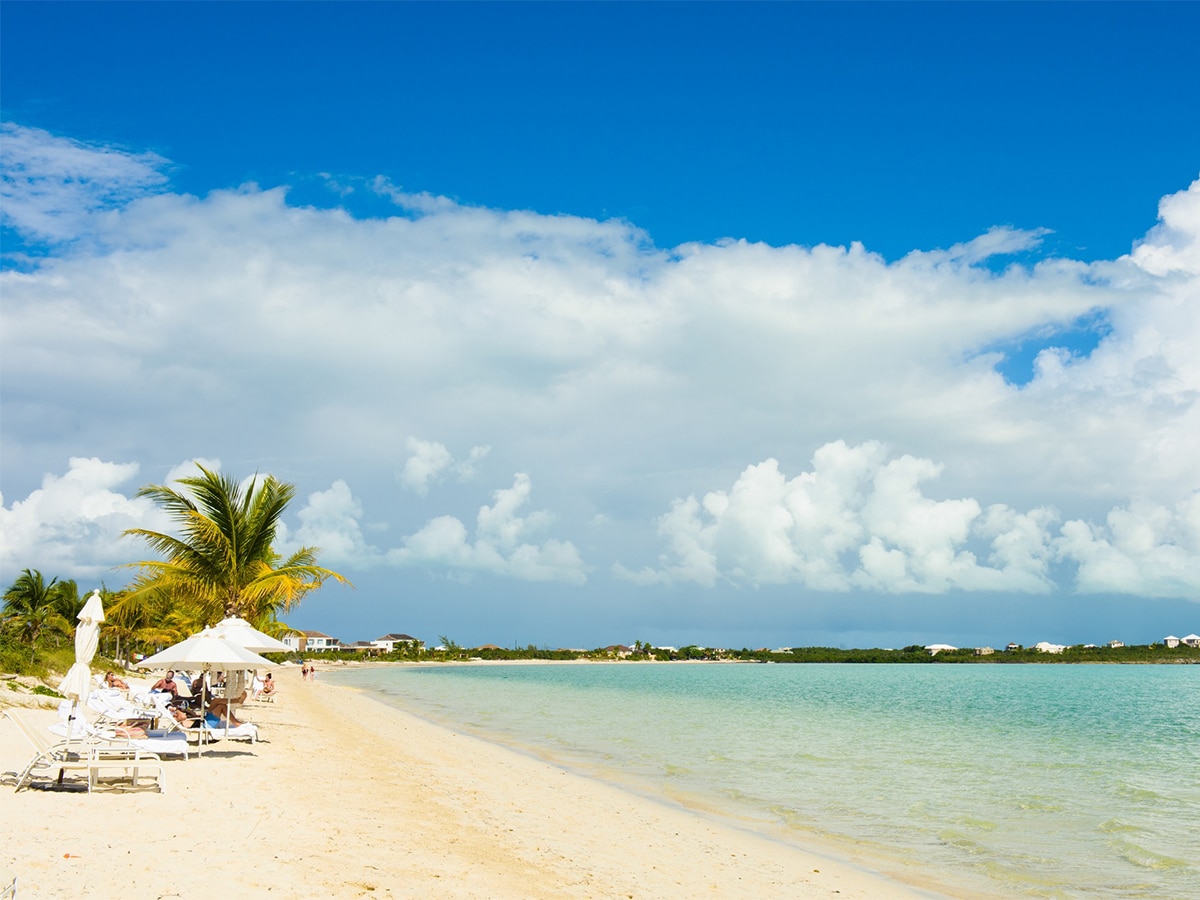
246, 635
77, 683
201, 650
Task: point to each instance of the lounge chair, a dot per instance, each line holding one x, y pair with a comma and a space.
109, 706
80, 755
161, 742
211, 729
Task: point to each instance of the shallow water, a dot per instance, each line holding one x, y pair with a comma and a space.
1044, 781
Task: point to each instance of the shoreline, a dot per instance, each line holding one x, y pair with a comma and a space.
350, 796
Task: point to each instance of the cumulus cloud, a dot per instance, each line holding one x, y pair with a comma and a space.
856, 520
1143, 548
502, 545
72, 525
329, 521
622, 374
862, 520
428, 461
1173, 245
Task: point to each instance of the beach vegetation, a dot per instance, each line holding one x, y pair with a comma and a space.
224, 560
37, 611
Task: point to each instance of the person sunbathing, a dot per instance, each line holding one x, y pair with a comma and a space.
209, 720
221, 707
112, 681
268, 687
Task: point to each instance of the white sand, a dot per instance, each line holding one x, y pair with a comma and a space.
347, 797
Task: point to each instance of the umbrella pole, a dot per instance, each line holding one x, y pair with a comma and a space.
203, 706
67, 746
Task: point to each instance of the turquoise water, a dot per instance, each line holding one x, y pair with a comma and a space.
1043, 781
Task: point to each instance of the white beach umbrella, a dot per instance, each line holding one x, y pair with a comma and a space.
203, 651
242, 632
246, 635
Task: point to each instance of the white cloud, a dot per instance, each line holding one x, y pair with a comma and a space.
330, 522
621, 374
857, 519
71, 526
50, 185
467, 469
429, 460
861, 520
500, 545
1173, 246
1142, 549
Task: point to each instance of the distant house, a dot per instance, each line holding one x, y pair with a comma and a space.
1115, 644
935, 649
1192, 640
359, 647
311, 641
1171, 641
1047, 647
984, 651
1012, 647
388, 642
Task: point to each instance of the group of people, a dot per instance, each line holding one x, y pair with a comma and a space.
308, 671
191, 702
198, 706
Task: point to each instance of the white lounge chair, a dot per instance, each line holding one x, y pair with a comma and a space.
110, 706
160, 742
86, 756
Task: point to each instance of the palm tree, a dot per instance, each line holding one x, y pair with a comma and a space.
147, 619
32, 607
224, 562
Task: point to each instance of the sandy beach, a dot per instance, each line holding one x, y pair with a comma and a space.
348, 797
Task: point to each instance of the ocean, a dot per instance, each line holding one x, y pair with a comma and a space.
1034, 780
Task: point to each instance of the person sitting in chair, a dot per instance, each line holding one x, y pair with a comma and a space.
210, 719
268, 686
112, 681
167, 684
222, 708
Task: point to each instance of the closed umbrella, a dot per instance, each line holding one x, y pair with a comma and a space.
77, 683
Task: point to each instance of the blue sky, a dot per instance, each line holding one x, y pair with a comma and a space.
579, 344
